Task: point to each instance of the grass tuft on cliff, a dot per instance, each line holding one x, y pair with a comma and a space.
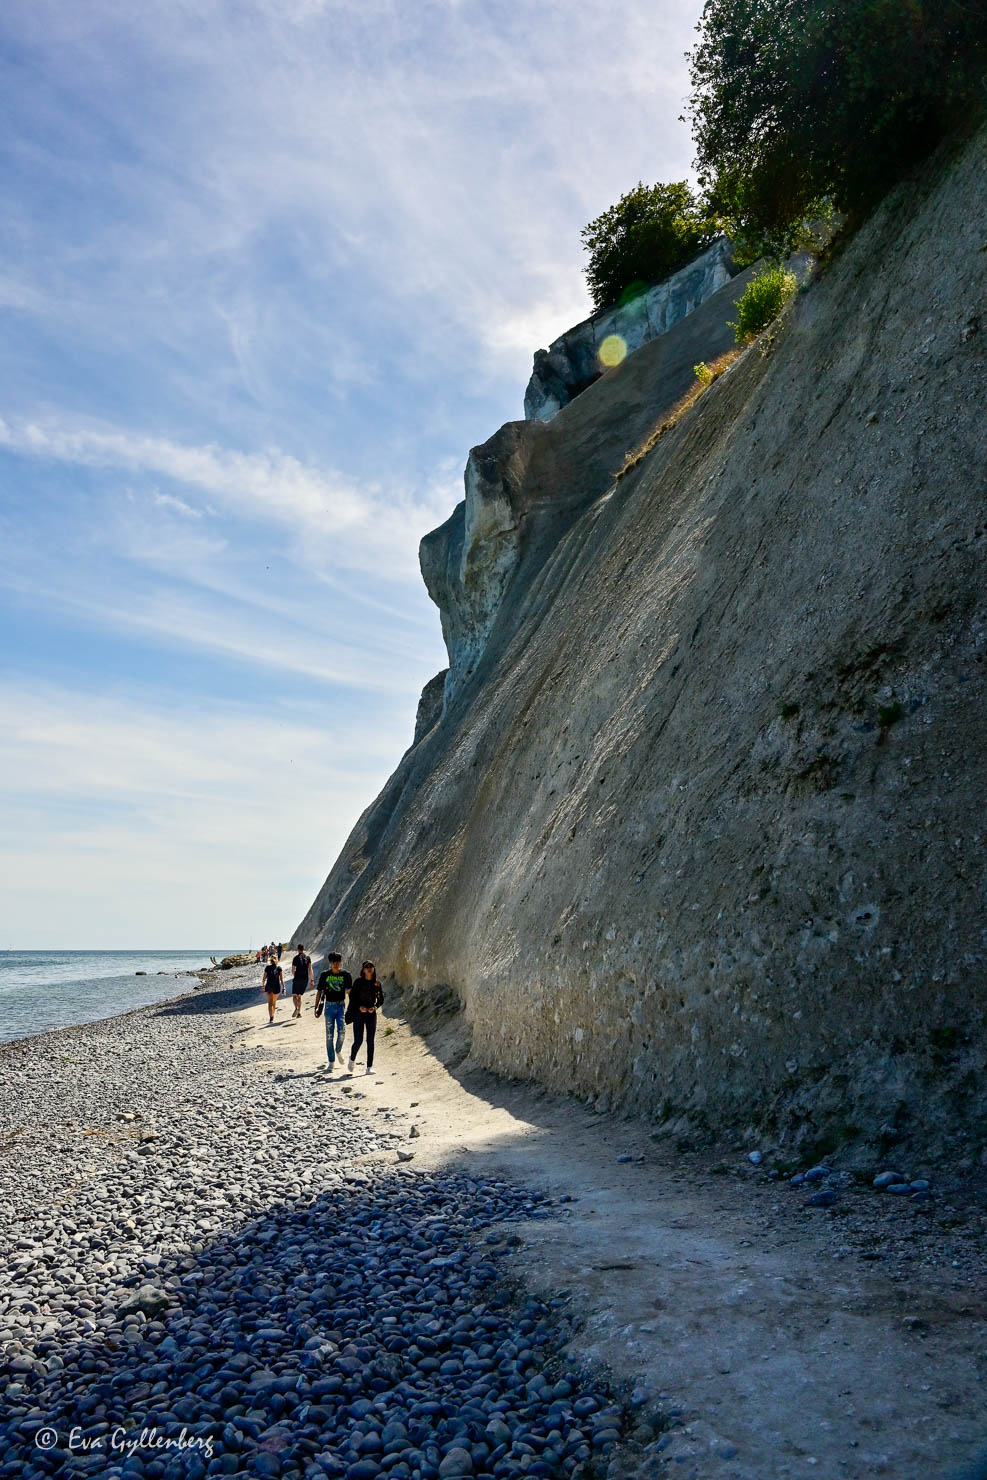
762, 301
706, 375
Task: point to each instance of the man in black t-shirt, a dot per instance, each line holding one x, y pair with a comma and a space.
301, 978
334, 986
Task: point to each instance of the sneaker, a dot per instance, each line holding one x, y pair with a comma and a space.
351, 1065
371, 1071
329, 1068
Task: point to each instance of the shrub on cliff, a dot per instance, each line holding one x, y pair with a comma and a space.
650, 233
800, 104
761, 301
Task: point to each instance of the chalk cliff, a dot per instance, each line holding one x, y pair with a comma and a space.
571, 363
695, 824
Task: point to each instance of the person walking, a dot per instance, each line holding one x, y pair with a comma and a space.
333, 986
273, 987
365, 998
301, 978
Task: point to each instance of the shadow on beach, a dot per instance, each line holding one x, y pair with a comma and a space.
209, 1003
263, 1348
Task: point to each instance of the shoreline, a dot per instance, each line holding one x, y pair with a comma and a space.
203, 975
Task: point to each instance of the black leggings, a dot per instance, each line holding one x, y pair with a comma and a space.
363, 1020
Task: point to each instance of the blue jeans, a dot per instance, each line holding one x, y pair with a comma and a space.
335, 1013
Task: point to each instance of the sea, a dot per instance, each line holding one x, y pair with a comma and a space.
40, 990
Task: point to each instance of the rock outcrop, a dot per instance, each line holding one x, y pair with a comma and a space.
526, 483
467, 562
700, 829
572, 362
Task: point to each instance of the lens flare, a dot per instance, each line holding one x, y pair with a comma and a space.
612, 351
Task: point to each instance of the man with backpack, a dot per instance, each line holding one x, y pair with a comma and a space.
301, 978
333, 988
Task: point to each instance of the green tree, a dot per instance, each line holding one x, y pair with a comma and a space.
650, 233
800, 105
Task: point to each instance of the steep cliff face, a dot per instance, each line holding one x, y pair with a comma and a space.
700, 830
571, 363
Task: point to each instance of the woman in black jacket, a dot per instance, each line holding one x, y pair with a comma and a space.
365, 998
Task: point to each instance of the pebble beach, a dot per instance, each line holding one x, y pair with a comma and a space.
216, 1266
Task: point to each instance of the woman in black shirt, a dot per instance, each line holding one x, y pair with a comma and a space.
273, 986
365, 998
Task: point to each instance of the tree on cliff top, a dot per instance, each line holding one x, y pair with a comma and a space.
650, 233
797, 104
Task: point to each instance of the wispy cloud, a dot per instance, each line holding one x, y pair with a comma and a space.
438, 159
328, 518
183, 590
269, 483
168, 501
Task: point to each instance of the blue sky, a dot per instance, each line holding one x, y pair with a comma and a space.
268, 269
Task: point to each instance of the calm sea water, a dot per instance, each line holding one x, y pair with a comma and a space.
58, 989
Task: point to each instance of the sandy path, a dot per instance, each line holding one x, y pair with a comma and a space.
772, 1339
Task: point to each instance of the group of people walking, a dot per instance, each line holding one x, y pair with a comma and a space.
339, 999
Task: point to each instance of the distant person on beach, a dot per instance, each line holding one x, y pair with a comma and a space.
273, 986
365, 998
333, 987
301, 978
263, 953
280, 949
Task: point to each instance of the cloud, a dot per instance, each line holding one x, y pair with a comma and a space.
168, 501
439, 160
85, 744
279, 627
20, 296
341, 604
271, 483
155, 823
326, 515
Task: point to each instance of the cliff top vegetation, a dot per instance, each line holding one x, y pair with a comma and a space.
797, 110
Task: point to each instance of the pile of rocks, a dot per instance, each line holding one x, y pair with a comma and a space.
826, 1184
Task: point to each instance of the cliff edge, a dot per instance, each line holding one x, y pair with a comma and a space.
694, 825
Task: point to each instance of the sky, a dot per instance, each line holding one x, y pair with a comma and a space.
268, 270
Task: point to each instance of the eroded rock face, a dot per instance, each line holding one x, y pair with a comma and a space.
564, 370
467, 562
525, 485
430, 705
701, 832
